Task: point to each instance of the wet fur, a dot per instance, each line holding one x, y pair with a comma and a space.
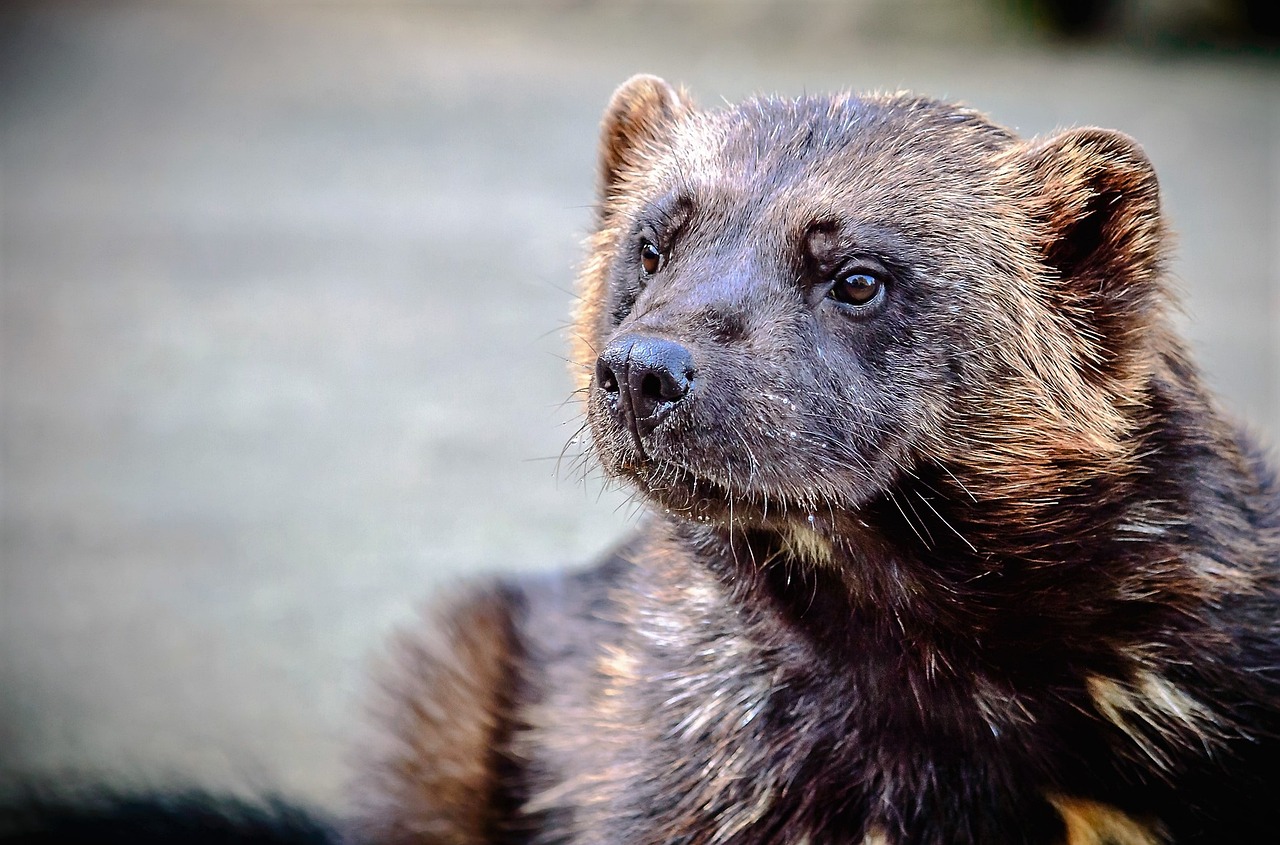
985, 566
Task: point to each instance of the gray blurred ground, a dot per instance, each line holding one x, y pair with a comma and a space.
282, 291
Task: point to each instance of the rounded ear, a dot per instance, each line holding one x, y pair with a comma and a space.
1096, 198
640, 115
1099, 200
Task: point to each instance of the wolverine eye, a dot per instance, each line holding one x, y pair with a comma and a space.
651, 259
859, 289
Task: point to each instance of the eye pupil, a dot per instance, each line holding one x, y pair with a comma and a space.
650, 259
856, 289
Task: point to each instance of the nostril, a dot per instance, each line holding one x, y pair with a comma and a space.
663, 385
605, 378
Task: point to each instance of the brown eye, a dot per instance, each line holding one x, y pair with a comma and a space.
859, 289
650, 258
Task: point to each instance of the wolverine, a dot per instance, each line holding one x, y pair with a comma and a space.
946, 540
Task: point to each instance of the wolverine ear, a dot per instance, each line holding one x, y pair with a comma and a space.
1096, 195
641, 114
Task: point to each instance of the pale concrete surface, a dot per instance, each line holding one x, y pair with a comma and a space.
282, 288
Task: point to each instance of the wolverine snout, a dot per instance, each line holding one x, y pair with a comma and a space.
644, 377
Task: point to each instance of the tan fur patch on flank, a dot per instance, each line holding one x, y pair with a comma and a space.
808, 545
1094, 823
1150, 706
876, 836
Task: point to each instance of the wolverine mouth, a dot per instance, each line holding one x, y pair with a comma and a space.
711, 491
693, 495
677, 488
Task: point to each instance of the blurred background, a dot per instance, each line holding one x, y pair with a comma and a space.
282, 297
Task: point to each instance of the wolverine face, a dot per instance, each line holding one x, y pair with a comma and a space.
792, 305
774, 335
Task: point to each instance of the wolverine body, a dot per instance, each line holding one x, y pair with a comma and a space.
949, 545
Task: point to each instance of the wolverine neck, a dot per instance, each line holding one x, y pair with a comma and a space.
1104, 567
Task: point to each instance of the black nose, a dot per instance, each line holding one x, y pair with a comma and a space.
648, 374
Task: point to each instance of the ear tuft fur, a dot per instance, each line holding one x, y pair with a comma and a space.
1096, 196
640, 114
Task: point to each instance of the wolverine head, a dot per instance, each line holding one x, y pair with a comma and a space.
790, 306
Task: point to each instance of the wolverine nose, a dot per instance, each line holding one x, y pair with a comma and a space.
649, 375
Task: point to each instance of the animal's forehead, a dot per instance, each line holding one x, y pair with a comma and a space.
770, 143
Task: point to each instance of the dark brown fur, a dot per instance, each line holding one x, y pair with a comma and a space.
978, 563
